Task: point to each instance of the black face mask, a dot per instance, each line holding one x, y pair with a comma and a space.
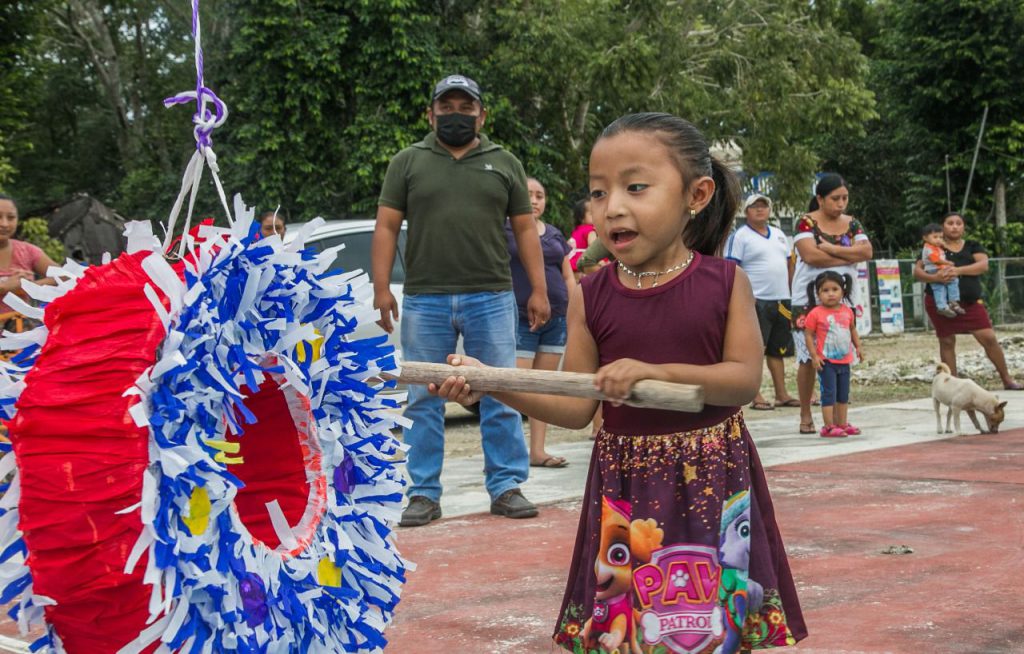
456, 130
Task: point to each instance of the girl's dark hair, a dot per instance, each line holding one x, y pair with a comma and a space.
826, 184
931, 228
268, 214
579, 212
845, 284
707, 231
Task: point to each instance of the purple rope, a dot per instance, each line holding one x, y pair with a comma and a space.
205, 119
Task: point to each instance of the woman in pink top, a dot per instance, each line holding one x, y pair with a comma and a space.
583, 234
18, 260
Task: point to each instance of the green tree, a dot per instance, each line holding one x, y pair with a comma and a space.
323, 94
37, 232
19, 23
936, 66
746, 73
98, 125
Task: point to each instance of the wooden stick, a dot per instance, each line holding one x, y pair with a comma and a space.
647, 393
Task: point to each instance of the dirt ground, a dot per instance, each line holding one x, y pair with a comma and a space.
895, 368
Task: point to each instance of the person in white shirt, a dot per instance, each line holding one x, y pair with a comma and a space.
763, 253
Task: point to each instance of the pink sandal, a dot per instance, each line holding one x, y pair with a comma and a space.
850, 429
832, 431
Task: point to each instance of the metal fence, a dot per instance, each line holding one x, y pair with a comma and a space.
1003, 287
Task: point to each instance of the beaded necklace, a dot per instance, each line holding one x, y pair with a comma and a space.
640, 275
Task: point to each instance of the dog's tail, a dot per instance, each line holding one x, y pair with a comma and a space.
943, 368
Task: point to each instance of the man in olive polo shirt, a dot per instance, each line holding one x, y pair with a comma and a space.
456, 188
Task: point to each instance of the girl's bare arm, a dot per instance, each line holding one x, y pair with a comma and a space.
580, 356
855, 337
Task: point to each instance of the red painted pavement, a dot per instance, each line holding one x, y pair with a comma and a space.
492, 585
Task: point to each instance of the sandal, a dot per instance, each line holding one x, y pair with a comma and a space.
808, 427
850, 429
791, 402
762, 406
551, 462
832, 431
1013, 386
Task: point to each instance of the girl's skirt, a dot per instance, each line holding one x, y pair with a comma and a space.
678, 551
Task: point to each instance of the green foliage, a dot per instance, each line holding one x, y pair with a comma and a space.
37, 232
1005, 242
19, 24
323, 92
558, 71
936, 65
323, 95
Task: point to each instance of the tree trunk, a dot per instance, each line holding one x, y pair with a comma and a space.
86, 23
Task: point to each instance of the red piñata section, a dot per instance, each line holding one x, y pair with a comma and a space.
81, 457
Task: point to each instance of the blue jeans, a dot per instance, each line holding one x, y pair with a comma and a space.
946, 293
430, 328
835, 383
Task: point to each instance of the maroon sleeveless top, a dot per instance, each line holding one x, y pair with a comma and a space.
681, 321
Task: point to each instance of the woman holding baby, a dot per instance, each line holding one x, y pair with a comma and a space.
970, 261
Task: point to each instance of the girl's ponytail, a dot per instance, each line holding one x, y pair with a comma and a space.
708, 230
848, 289
812, 293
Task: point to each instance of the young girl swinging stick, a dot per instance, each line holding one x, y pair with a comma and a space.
677, 548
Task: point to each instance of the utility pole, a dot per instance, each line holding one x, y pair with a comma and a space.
1000, 205
974, 161
949, 191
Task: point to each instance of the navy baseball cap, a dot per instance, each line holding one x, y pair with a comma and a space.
458, 83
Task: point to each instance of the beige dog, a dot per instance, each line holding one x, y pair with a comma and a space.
964, 395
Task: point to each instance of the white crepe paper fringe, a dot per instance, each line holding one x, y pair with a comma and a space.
245, 307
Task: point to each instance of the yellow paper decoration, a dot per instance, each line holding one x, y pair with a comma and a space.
224, 446
327, 573
220, 457
198, 511
311, 349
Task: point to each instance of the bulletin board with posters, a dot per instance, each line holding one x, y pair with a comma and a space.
862, 299
890, 296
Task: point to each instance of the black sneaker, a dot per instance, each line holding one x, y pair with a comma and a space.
512, 504
421, 511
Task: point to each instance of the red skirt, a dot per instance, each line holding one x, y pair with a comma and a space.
974, 320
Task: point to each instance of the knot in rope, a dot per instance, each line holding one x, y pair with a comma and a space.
205, 119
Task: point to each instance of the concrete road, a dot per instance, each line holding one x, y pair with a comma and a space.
487, 584
908, 549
